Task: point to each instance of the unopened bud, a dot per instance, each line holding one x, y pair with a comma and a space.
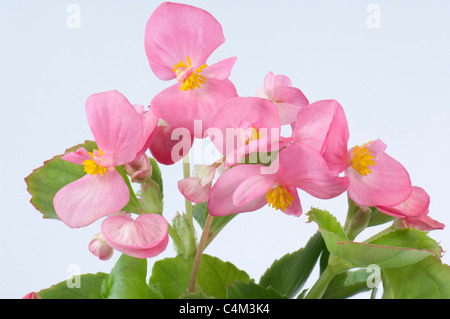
100, 248
140, 169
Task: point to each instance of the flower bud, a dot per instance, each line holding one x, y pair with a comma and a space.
100, 248
140, 169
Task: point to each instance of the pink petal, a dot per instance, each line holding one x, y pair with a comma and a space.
149, 124
251, 110
192, 189
116, 125
199, 104
176, 31
91, 197
168, 149
303, 167
416, 205
220, 201
424, 223
251, 188
323, 126
388, 184
77, 157
220, 70
296, 207
144, 237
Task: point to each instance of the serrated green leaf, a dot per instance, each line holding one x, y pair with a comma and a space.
171, 276
395, 249
127, 279
44, 182
87, 286
250, 290
426, 279
214, 275
288, 274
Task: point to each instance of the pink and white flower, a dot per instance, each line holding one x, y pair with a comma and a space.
178, 41
118, 130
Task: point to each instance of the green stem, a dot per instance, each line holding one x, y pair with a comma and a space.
335, 266
317, 291
198, 254
186, 174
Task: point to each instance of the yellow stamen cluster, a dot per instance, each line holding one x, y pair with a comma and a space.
362, 159
91, 167
193, 79
279, 198
256, 135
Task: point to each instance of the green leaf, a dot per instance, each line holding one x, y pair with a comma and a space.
156, 174
214, 275
133, 205
171, 276
87, 286
347, 284
127, 279
200, 212
44, 182
426, 279
250, 290
288, 274
395, 249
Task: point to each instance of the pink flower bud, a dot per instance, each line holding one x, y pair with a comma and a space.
100, 248
31, 295
139, 169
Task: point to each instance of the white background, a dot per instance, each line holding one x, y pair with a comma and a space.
393, 82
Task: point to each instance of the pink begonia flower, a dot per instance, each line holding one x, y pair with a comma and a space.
413, 212
144, 237
289, 99
98, 247
245, 125
375, 177
244, 188
118, 129
197, 188
167, 146
178, 41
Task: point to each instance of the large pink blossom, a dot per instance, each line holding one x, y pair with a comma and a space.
245, 187
288, 99
118, 130
178, 41
375, 177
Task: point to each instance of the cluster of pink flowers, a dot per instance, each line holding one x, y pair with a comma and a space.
316, 158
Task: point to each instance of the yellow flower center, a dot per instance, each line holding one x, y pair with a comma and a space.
91, 166
362, 159
279, 198
256, 135
186, 75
